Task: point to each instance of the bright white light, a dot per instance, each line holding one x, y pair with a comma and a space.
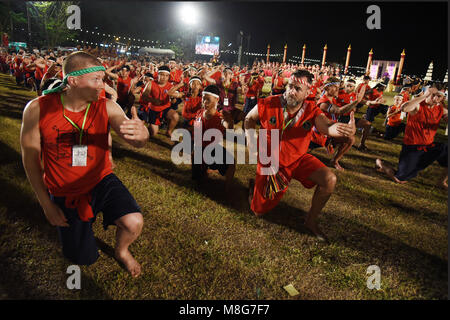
188, 13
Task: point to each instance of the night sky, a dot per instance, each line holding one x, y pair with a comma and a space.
418, 27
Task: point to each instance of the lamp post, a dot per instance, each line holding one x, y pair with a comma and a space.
347, 60
324, 55
268, 53
285, 50
369, 62
400, 67
303, 53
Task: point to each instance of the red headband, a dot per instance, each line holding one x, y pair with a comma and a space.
297, 80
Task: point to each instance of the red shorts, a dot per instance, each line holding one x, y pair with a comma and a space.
300, 170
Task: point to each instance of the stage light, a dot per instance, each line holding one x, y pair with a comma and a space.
188, 13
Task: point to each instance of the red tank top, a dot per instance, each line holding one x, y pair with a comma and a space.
57, 139
191, 106
421, 127
160, 93
325, 99
38, 73
123, 85
395, 120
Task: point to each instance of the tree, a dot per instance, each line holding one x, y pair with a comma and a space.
177, 49
9, 18
52, 19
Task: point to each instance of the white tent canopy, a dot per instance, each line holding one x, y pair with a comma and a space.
156, 51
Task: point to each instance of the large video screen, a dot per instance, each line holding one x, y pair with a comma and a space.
207, 45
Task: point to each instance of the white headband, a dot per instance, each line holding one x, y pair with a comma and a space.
162, 71
195, 79
210, 93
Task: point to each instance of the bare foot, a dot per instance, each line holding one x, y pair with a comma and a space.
314, 228
379, 165
337, 165
132, 266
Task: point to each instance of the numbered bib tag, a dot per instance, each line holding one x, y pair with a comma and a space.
402, 115
79, 155
225, 101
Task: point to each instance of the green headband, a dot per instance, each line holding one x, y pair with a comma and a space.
73, 74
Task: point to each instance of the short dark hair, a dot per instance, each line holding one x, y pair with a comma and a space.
212, 89
79, 60
304, 74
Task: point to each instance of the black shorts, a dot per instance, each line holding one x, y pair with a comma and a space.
156, 117
174, 105
371, 113
392, 132
199, 170
142, 114
346, 119
109, 196
415, 158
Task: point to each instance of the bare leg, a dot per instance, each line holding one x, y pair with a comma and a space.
153, 130
129, 227
345, 144
172, 118
326, 181
362, 123
228, 117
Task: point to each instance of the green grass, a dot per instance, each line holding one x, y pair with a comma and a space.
196, 245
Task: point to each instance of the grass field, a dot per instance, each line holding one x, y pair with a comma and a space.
195, 245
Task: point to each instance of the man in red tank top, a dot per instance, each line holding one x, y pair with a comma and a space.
418, 150
394, 124
70, 130
293, 116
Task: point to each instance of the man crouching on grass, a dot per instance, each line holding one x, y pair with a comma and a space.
294, 117
69, 127
209, 118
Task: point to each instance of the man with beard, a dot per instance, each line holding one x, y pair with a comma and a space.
68, 129
293, 116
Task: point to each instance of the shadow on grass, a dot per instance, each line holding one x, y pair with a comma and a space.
23, 208
212, 188
429, 271
11, 114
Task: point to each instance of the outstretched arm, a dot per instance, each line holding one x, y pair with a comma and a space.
412, 106
335, 129
173, 92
